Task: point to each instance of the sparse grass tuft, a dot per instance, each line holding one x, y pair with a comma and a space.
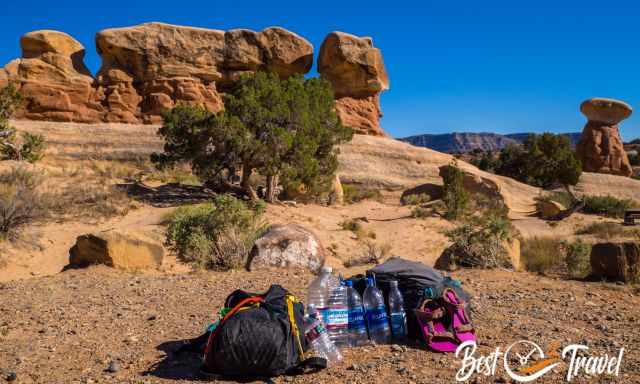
21, 202
354, 193
609, 206
578, 259
541, 254
603, 230
372, 254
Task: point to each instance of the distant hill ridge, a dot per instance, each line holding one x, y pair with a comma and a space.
463, 142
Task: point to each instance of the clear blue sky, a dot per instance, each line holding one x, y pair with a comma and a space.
500, 66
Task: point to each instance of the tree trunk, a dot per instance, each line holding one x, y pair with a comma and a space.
272, 187
245, 183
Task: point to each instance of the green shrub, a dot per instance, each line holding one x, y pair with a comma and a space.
354, 193
578, 259
372, 254
541, 254
603, 230
421, 213
455, 197
20, 201
480, 240
31, 148
609, 206
416, 199
216, 236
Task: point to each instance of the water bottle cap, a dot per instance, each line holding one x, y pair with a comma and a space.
326, 270
370, 282
348, 283
311, 309
393, 283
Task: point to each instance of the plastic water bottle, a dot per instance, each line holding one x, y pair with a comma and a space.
397, 313
336, 316
318, 293
317, 336
376, 314
357, 327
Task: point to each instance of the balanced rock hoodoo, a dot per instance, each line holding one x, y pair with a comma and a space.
601, 149
153, 66
356, 70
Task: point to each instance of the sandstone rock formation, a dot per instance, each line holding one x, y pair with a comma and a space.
616, 261
357, 73
549, 208
287, 246
145, 69
129, 250
601, 149
152, 66
51, 75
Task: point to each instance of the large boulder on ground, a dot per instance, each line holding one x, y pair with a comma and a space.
164, 64
549, 208
129, 250
601, 148
451, 260
53, 79
355, 69
616, 261
287, 246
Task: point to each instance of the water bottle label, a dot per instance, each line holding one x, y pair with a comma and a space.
322, 314
356, 320
398, 323
337, 318
315, 332
377, 319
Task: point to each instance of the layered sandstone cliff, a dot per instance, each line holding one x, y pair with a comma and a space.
151, 67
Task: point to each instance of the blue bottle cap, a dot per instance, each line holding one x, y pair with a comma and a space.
370, 282
348, 283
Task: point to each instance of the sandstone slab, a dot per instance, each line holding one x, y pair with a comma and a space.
129, 250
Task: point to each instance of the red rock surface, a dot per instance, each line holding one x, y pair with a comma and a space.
601, 149
357, 73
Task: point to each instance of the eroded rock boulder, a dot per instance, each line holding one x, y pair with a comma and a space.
129, 250
287, 246
153, 66
53, 79
616, 261
355, 69
601, 148
549, 208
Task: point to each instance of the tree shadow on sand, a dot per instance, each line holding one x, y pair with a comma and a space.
167, 195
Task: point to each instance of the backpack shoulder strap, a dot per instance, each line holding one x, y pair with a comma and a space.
294, 325
244, 303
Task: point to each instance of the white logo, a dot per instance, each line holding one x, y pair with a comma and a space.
532, 363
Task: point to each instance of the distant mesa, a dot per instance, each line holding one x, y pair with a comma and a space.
152, 66
464, 142
601, 149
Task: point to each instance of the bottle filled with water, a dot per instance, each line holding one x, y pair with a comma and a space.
317, 336
397, 314
319, 289
336, 316
376, 314
357, 327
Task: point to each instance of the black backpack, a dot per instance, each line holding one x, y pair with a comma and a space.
260, 336
416, 283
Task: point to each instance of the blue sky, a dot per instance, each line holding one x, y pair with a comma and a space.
499, 66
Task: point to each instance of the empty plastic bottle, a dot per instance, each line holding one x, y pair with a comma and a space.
397, 314
317, 336
336, 317
318, 293
357, 327
376, 314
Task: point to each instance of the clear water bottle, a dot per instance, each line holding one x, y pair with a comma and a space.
397, 314
317, 336
357, 327
336, 316
376, 314
318, 292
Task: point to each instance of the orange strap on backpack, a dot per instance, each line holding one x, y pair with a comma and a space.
239, 306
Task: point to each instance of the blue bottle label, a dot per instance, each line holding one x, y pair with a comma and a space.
377, 319
356, 320
398, 324
337, 318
